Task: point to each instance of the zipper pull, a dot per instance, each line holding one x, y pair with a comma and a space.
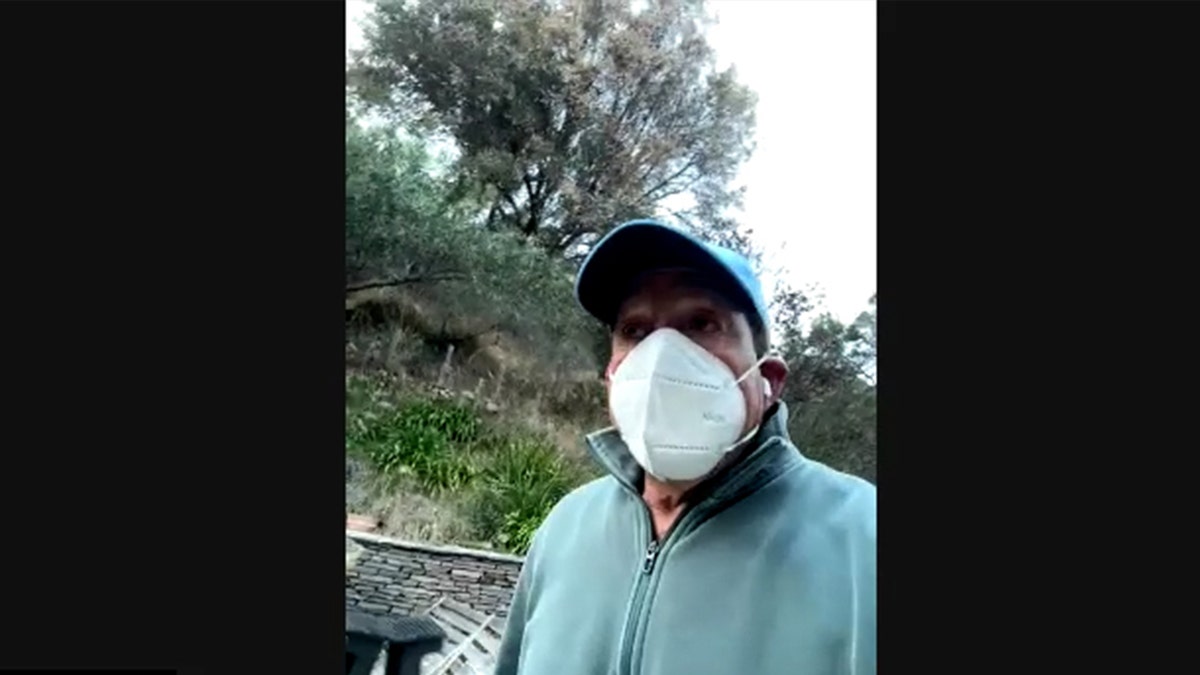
651, 554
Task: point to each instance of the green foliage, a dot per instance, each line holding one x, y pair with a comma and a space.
831, 383
524, 479
838, 428
570, 116
406, 225
508, 478
453, 421
425, 439
392, 198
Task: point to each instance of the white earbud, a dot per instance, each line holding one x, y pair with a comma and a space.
767, 388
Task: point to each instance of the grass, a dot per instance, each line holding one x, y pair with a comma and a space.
436, 466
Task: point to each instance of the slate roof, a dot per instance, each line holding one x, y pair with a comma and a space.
394, 577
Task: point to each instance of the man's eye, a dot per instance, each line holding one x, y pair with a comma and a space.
702, 324
633, 331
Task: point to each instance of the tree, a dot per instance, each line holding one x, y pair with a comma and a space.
861, 339
393, 204
838, 428
831, 383
571, 116
406, 226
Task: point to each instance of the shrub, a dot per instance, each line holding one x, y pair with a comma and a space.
523, 479
453, 421
502, 477
426, 439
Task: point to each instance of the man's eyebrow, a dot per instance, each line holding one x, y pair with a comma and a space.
689, 305
631, 307
626, 317
707, 298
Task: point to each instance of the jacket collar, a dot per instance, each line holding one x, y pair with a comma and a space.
772, 455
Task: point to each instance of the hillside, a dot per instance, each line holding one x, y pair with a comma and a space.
475, 467
464, 439
471, 440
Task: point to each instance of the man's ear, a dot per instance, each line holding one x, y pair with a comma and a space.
774, 372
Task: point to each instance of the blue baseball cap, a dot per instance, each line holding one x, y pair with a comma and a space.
640, 246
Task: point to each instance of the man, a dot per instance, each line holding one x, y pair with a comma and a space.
713, 546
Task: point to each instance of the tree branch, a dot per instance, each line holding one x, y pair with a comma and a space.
513, 203
407, 279
683, 218
570, 237
648, 194
535, 204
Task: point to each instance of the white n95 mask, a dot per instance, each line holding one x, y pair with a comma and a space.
677, 407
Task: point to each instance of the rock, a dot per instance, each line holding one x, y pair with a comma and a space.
361, 523
353, 552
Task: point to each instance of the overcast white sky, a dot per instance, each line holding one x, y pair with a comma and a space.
810, 185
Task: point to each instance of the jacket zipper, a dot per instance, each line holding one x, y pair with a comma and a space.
651, 555
642, 585
653, 550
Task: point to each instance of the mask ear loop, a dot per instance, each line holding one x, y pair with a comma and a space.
752, 432
753, 368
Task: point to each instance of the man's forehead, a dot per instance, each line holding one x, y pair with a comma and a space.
683, 284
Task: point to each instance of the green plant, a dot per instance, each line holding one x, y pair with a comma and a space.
524, 478
499, 478
448, 471
428, 440
457, 423
411, 448
518, 530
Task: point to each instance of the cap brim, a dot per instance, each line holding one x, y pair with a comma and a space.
638, 247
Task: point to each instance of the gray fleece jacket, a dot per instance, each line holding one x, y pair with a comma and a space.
770, 571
